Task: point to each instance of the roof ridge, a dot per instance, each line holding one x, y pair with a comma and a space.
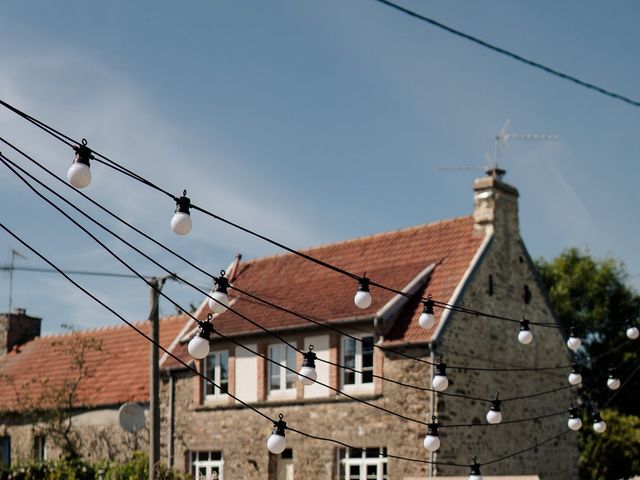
356, 239
104, 328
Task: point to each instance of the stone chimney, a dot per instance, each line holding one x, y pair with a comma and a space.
495, 205
17, 328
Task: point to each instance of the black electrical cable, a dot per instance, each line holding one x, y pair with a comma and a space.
7, 161
504, 422
266, 302
627, 380
512, 55
525, 450
310, 258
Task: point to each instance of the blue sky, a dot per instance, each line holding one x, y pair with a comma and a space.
312, 122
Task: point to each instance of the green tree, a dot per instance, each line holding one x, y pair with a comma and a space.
594, 296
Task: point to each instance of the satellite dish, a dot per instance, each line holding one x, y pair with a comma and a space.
131, 417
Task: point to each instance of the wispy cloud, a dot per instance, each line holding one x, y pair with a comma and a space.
84, 98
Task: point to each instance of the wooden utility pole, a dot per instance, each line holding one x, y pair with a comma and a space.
154, 393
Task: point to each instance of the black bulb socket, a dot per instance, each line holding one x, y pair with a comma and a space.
363, 284
183, 203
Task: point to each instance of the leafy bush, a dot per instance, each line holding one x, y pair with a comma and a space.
137, 468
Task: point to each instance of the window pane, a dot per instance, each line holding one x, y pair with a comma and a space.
372, 472
274, 368
372, 452
367, 352
291, 363
209, 371
224, 372
354, 472
349, 360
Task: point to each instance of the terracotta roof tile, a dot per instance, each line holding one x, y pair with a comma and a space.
119, 371
392, 258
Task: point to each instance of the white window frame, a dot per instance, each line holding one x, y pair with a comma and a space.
282, 389
361, 460
358, 383
208, 465
217, 376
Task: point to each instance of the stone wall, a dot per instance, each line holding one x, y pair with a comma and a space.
101, 437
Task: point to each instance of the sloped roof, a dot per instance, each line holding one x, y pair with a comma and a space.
119, 369
392, 259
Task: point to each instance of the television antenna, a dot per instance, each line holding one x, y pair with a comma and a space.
491, 166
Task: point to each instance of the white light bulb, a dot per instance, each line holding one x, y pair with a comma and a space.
525, 337
198, 347
276, 444
426, 320
575, 424
574, 343
79, 175
221, 304
633, 333
575, 378
494, 417
181, 223
308, 372
613, 383
440, 383
599, 427
362, 299
431, 443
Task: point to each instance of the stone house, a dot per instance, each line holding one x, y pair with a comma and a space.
476, 262
105, 367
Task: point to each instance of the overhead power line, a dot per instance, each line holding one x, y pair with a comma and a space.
513, 56
8, 268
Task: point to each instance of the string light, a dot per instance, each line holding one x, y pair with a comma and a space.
363, 298
116, 166
475, 467
199, 345
632, 331
276, 443
494, 415
218, 298
573, 342
308, 374
613, 382
79, 173
432, 441
525, 336
574, 422
599, 425
181, 220
475, 470
164, 268
440, 381
575, 377
427, 319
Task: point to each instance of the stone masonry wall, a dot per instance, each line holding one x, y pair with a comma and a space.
482, 342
